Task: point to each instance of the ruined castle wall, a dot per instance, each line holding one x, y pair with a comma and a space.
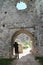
12, 20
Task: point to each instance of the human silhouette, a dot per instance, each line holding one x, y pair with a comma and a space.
16, 50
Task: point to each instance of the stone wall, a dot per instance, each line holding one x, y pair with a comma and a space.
12, 20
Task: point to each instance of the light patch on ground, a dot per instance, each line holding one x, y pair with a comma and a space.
25, 52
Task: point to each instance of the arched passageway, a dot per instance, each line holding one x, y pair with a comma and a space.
18, 33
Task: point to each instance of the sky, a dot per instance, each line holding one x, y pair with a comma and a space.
21, 6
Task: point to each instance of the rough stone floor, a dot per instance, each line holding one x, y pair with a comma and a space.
26, 60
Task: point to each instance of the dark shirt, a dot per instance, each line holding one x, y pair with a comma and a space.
16, 47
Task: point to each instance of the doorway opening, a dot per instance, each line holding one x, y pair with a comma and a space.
25, 42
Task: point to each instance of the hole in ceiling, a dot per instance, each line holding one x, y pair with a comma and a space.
5, 12
21, 5
3, 25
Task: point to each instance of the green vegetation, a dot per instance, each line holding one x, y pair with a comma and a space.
30, 44
27, 45
5, 61
40, 60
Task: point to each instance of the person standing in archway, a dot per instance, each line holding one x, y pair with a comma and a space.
16, 50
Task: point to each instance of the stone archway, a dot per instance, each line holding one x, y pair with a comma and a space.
18, 33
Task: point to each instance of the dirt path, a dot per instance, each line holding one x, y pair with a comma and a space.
26, 60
